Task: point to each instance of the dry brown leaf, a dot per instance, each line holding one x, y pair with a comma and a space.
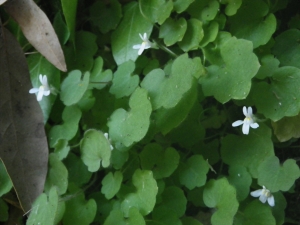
23, 143
287, 128
38, 30
2, 1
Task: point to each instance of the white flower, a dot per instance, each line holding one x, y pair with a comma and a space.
145, 44
264, 195
106, 135
247, 122
43, 89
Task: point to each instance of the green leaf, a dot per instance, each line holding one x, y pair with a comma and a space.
193, 172
69, 10
129, 127
287, 128
269, 64
111, 184
39, 65
127, 34
95, 150
193, 35
145, 196
81, 56
116, 218
173, 31
281, 177
3, 211
5, 184
255, 213
78, 172
106, 16
241, 180
57, 175
163, 215
222, 80
44, 209
168, 119
61, 29
277, 98
248, 150
204, 10
173, 200
162, 162
253, 22
210, 33
166, 90
124, 83
157, 11
286, 48
78, 210
99, 79
221, 195
232, 6
190, 221
73, 87
62, 149
71, 116
181, 5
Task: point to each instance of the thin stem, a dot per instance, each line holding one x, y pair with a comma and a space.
167, 50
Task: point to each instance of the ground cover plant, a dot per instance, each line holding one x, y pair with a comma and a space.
157, 112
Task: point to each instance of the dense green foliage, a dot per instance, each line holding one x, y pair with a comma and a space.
172, 156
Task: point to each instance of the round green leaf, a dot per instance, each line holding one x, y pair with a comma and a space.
278, 98
111, 184
255, 213
221, 195
116, 218
145, 196
248, 150
71, 116
193, 35
95, 149
123, 82
162, 162
5, 184
253, 22
278, 177
181, 5
99, 79
241, 180
78, 210
3, 211
222, 80
62, 149
204, 10
73, 88
127, 34
232, 6
173, 31
44, 209
193, 172
286, 48
57, 175
129, 127
156, 10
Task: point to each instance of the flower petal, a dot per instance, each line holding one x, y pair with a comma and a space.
245, 111
254, 125
136, 46
40, 94
46, 92
33, 90
263, 198
256, 193
41, 78
44, 80
145, 37
237, 123
141, 37
141, 49
271, 201
246, 128
250, 111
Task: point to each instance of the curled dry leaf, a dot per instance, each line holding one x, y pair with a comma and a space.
23, 143
37, 29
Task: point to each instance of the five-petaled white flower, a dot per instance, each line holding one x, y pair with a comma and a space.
264, 195
106, 135
43, 89
247, 122
145, 44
